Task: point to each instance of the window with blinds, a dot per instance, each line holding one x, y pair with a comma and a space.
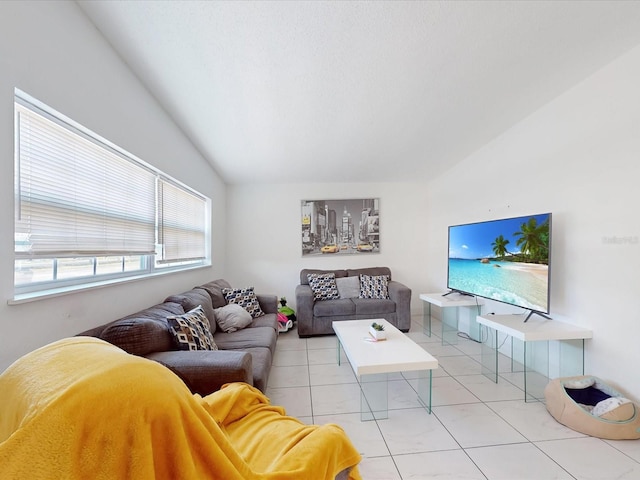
88, 211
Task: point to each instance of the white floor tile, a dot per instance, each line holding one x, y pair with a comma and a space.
419, 337
365, 436
331, 374
514, 378
489, 391
402, 395
469, 347
289, 376
522, 461
328, 341
460, 365
332, 399
438, 350
476, 425
295, 400
591, 458
414, 431
447, 465
291, 341
283, 358
379, 468
630, 448
326, 356
532, 420
478, 429
448, 391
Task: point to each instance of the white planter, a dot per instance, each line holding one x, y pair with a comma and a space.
377, 334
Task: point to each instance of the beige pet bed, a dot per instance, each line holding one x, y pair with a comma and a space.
589, 406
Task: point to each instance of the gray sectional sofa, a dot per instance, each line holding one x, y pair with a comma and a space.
315, 316
244, 355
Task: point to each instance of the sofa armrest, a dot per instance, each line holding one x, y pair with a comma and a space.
304, 310
205, 372
268, 303
401, 295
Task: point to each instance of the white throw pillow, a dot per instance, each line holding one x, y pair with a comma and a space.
232, 317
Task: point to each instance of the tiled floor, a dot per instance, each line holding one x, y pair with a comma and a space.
478, 429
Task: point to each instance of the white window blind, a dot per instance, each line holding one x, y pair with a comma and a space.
76, 196
181, 223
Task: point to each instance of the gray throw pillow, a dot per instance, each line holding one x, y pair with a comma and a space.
348, 287
232, 317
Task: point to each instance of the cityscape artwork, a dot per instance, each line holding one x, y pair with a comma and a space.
340, 227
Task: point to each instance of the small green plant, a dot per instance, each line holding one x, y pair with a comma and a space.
377, 326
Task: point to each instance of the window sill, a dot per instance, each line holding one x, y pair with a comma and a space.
58, 292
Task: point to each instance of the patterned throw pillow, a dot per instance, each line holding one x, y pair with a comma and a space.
374, 286
323, 286
191, 330
246, 298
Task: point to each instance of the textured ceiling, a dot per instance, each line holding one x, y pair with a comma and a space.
369, 91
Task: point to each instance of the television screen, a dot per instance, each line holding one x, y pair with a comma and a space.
505, 260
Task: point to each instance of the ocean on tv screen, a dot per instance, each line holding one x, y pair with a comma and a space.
517, 283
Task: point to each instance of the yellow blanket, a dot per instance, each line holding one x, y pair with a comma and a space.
81, 408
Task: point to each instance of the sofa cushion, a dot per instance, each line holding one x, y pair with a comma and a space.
323, 286
191, 330
373, 307
348, 287
214, 289
330, 308
143, 332
232, 317
267, 320
191, 299
247, 338
374, 286
245, 297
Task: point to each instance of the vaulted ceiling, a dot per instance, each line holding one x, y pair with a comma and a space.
357, 91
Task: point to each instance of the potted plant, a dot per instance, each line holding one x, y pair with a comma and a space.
376, 330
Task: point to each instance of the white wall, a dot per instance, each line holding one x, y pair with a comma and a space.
578, 157
51, 51
264, 233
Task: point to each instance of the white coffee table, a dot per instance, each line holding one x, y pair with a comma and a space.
372, 361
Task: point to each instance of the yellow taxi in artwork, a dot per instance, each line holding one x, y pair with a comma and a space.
365, 247
330, 248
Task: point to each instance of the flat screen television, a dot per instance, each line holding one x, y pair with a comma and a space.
506, 260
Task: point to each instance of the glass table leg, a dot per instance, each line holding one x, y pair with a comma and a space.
374, 397
425, 386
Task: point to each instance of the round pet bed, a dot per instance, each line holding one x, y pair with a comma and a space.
589, 406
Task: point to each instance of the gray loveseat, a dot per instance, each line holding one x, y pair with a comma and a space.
244, 355
315, 317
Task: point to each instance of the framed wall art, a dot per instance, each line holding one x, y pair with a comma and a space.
340, 227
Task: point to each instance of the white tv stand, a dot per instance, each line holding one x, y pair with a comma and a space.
535, 336
451, 311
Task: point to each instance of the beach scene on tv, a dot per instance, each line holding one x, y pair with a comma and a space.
505, 260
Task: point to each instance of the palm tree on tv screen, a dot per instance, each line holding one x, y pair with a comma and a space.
499, 246
534, 241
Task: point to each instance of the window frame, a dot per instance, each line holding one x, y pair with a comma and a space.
150, 265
